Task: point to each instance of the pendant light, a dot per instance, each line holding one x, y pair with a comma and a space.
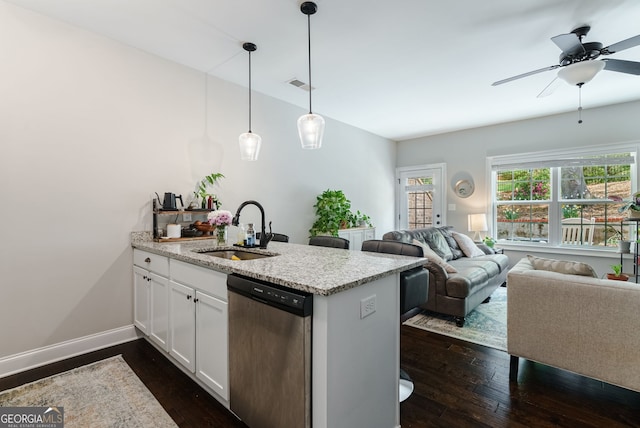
249, 142
310, 126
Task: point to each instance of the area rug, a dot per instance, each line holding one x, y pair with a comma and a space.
103, 394
486, 325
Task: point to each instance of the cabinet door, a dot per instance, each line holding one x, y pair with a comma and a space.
182, 324
357, 237
141, 299
369, 233
212, 360
159, 325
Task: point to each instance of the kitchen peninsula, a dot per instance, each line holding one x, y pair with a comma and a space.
355, 356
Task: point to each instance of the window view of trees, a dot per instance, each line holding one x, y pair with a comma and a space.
526, 199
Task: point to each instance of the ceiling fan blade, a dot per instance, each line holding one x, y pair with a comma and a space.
520, 76
550, 88
568, 43
622, 45
622, 66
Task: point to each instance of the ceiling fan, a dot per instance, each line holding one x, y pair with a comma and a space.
579, 61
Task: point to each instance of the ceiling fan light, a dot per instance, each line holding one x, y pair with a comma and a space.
249, 146
581, 72
311, 130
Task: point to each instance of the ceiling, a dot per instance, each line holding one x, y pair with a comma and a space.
397, 68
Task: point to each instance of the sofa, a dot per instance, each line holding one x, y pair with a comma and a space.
462, 274
560, 314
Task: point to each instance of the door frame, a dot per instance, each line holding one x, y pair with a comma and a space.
439, 173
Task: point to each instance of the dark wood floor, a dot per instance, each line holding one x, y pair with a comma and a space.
457, 384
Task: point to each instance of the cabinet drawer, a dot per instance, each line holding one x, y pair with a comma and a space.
152, 262
207, 280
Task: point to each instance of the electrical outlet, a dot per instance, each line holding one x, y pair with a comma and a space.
367, 306
186, 217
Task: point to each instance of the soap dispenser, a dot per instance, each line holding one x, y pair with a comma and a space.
251, 236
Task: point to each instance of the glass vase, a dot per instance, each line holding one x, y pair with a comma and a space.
221, 234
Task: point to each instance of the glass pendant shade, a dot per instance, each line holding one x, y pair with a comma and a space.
249, 146
311, 131
581, 72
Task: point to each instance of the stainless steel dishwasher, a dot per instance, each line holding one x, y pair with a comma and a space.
269, 354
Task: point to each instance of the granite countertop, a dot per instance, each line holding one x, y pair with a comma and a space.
317, 270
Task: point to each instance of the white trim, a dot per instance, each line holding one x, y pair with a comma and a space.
17, 363
546, 155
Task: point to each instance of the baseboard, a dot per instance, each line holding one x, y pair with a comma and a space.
50, 354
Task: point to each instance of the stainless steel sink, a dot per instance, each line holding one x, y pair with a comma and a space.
239, 254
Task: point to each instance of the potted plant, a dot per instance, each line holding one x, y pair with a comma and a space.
359, 219
332, 213
489, 241
202, 191
631, 205
617, 273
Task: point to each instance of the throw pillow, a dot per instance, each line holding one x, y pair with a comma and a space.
562, 266
453, 245
468, 247
436, 241
434, 257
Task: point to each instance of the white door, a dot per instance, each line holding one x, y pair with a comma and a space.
212, 343
182, 325
421, 196
159, 326
141, 299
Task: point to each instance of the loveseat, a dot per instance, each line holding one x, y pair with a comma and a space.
462, 274
573, 321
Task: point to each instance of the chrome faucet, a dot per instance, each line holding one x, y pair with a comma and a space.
264, 237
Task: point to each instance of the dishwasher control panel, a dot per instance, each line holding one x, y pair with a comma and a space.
287, 299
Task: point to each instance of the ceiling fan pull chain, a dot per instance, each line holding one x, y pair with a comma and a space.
580, 103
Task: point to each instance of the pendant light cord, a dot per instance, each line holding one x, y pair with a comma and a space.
309, 46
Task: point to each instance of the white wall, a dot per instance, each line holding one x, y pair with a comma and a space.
465, 152
90, 128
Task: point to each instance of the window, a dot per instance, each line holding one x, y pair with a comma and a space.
563, 197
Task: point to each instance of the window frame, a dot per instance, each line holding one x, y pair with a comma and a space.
538, 159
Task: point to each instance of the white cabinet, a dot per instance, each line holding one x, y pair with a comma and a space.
198, 323
141, 296
212, 351
182, 326
357, 236
151, 296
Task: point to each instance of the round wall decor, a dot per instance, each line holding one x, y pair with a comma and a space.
464, 188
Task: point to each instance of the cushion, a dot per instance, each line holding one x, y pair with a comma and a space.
468, 247
453, 245
434, 257
438, 243
562, 266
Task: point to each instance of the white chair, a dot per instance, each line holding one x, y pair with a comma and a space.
577, 231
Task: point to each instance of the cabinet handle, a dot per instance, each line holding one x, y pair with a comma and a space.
147, 260
188, 297
195, 300
149, 279
144, 276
